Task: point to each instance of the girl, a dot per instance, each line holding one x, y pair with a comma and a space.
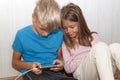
83, 53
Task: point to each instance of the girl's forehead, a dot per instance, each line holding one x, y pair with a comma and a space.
68, 22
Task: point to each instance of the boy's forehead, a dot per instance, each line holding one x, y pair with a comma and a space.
46, 28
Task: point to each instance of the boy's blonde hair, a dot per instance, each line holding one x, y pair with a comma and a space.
47, 12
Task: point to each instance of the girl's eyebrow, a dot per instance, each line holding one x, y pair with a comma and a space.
70, 25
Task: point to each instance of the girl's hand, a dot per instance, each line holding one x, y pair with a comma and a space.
59, 64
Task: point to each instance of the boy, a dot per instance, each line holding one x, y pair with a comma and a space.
38, 44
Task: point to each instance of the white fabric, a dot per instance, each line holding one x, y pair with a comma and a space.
98, 64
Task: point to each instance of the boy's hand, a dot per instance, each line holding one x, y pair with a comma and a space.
59, 64
35, 66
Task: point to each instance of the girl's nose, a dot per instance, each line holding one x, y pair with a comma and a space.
69, 30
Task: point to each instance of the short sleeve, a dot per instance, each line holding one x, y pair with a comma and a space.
17, 43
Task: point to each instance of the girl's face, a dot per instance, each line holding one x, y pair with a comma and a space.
70, 28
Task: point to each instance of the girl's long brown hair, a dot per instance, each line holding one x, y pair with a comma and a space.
73, 12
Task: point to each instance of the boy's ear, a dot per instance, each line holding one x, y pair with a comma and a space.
33, 17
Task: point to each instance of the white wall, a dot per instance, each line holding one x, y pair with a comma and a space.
102, 16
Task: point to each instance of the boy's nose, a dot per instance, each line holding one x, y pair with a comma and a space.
45, 34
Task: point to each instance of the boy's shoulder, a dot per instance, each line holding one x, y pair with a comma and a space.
58, 30
26, 28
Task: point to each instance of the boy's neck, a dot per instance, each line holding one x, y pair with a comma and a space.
33, 28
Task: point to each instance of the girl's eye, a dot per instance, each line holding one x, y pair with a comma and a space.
72, 26
64, 28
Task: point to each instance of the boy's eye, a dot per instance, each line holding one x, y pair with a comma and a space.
72, 27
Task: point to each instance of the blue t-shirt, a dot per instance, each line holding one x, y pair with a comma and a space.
37, 48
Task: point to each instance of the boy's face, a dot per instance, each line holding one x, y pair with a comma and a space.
70, 28
38, 28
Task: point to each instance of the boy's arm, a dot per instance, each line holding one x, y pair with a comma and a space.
17, 63
60, 57
59, 61
20, 65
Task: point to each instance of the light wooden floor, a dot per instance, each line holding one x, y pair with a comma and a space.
117, 77
11, 78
